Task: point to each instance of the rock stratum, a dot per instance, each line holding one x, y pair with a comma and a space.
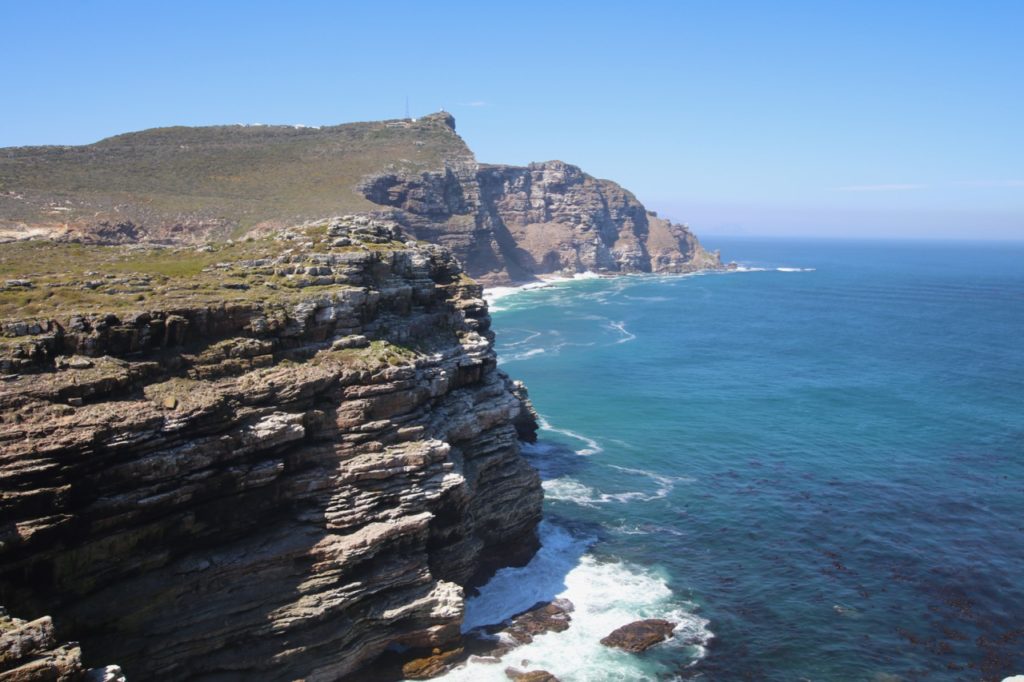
275, 459
190, 185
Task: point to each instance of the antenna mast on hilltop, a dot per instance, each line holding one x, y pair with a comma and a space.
407, 107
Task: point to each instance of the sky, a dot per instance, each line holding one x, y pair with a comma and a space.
883, 119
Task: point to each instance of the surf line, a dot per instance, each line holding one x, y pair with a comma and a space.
593, 447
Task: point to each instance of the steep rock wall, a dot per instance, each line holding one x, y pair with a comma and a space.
511, 223
265, 490
185, 185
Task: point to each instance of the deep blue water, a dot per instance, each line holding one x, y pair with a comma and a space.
825, 467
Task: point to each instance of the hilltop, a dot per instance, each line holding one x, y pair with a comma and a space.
214, 182
188, 186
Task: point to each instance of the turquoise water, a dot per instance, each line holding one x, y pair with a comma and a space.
817, 471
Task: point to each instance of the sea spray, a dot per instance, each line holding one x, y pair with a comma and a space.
605, 594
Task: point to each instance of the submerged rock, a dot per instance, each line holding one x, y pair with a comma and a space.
640, 635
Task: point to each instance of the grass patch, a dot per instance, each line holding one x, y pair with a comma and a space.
226, 178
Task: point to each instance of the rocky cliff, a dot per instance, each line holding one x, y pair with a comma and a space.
188, 185
277, 465
511, 223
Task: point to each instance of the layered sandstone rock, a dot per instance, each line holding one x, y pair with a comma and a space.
29, 652
510, 223
272, 487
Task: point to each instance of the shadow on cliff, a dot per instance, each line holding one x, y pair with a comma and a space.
564, 541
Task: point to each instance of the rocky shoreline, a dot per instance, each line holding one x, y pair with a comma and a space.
281, 489
503, 223
287, 455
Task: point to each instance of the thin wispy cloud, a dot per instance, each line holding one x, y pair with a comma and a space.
890, 187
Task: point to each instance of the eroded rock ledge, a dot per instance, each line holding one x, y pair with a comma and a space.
281, 485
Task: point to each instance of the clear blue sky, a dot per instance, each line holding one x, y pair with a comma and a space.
894, 118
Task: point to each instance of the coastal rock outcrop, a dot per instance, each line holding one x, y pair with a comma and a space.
193, 185
29, 652
511, 223
640, 635
553, 616
277, 468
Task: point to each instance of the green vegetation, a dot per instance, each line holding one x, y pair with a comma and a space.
374, 356
67, 277
227, 179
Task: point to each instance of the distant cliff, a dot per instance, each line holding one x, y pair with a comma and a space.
273, 459
510, 223
189, 185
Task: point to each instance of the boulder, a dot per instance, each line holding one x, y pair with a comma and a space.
640, 635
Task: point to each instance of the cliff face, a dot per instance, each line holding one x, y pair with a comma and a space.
510, 223
189, 185
277, 485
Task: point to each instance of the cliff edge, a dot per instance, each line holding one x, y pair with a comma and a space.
513, 223
193, 185
274, 459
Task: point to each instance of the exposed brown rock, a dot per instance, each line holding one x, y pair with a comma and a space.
234, 497
190, 185
29, 653
430, 666
552, 616
640, 635
510, 223
498, 640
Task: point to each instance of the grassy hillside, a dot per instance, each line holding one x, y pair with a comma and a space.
220, 180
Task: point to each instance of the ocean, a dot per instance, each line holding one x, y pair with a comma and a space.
815, 465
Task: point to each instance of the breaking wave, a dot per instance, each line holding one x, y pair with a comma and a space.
605, 594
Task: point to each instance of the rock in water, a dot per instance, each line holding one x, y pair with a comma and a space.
552, 616
640, 635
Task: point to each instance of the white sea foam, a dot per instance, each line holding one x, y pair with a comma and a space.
568, 489
554, 349
593, 447
606, 595
512, 357
494, 294
747, 268
532, 335
646, 529
665, 483
513, 590
621, 328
